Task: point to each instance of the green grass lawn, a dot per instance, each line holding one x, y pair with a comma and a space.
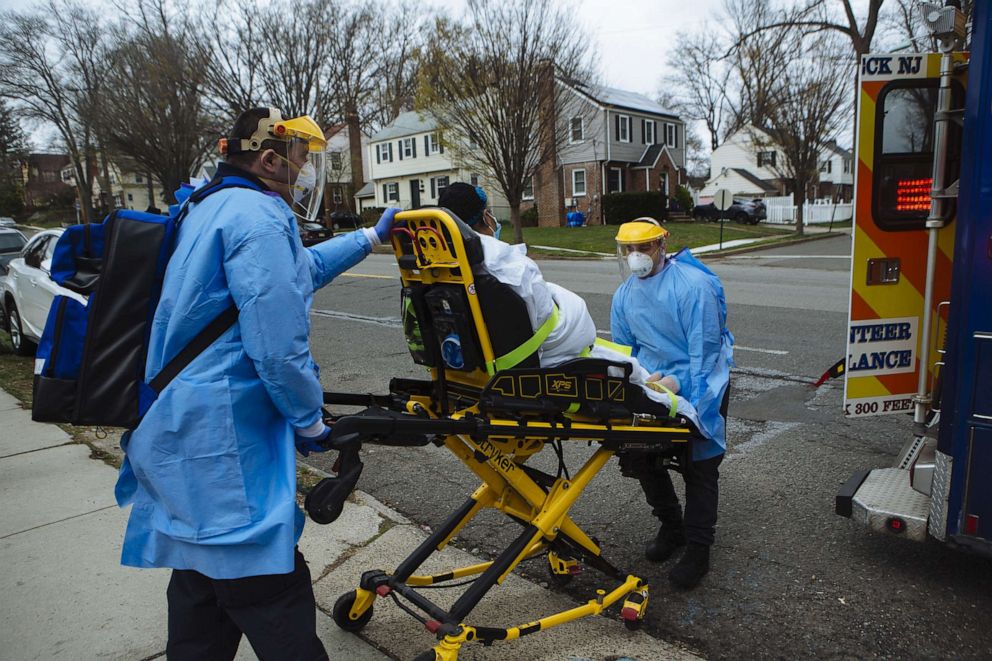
601, 238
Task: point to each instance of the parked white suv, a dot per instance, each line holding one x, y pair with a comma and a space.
27, 291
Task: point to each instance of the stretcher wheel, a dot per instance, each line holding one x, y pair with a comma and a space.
429, 655
342, 607
559, 580
633, 625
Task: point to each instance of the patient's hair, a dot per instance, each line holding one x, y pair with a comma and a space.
465, 200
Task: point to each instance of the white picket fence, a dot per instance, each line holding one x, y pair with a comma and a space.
781, 211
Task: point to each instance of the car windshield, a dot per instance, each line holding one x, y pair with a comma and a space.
11, 243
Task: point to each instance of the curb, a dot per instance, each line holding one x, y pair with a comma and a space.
776, 244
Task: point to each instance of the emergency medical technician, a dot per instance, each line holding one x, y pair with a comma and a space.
211, 470
673, 313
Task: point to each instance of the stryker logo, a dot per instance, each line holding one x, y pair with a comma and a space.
497, 457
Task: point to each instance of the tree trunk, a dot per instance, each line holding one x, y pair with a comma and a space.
151, 191
799, 198
518, 230
355, 146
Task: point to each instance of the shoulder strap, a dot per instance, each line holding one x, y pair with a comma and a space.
516, 356
197, 345
225, 319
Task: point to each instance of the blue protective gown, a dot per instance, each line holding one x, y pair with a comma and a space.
210, 472
675, 320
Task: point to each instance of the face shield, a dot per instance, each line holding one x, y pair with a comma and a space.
639, 259
641, 245
307, 174
304, 153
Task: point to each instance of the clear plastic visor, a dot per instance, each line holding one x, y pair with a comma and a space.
649, 248
307, 179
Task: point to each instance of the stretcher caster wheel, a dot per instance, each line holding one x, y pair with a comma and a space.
633, 625
429, 655
342, 608
562, 569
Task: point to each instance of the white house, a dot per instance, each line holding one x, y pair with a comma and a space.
408, 166
338, 187
749, 164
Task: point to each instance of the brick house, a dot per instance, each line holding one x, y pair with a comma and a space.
42, 180
617, 141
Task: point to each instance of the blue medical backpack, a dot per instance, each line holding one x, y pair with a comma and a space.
90, 364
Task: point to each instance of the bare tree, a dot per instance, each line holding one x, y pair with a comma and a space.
491, 84
809, 112
53, 66
154, 114
699, 84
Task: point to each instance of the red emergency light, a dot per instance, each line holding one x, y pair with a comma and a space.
913, 194
895, 524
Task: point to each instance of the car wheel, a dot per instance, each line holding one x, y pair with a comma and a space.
741, 217
22, 345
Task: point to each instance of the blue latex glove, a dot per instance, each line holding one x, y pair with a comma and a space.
385, 224
307, 444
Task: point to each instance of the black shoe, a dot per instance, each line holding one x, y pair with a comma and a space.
691, 567
666, 542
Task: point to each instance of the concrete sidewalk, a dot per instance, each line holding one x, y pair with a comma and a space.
65, 594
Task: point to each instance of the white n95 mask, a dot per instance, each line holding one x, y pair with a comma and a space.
640, 264
306, 180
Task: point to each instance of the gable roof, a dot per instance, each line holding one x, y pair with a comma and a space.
650, 156
831, 145
368, 190
622, 99
407, 123
754, 179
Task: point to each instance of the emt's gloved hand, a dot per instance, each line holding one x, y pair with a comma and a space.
385, 224
309, 440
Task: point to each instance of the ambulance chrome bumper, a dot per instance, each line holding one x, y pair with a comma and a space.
883, 501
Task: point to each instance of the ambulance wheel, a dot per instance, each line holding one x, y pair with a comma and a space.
429, 655
633, 625
340, 614
22, 345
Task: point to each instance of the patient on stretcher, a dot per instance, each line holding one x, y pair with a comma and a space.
574, 335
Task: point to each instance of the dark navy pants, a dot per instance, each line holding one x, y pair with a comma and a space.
207, 616
701, 499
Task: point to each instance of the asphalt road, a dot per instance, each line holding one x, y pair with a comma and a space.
789, 578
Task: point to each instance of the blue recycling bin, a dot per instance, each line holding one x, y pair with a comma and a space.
575, 219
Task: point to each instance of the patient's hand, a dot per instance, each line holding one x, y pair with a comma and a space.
669, 382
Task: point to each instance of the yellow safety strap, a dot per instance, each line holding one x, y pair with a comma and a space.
615, 346
515, 357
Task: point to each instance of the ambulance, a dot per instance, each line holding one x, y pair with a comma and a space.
920, 327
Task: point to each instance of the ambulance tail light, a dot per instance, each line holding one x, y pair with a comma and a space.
913, 194
971, 525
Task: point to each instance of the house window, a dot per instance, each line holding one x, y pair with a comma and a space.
336, 195
614, 180
623, 128
847, 166
391, 192
649, 128
576, 130
766, 158
408, 148
529, 189
474, 179
384, 153
130, 197
826, 167
578, 182
438, 184
138, 179
671, 135
433, 144
336, 160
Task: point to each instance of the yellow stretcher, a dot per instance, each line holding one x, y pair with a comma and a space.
465, 325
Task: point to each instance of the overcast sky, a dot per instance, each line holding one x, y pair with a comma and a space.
632, 37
